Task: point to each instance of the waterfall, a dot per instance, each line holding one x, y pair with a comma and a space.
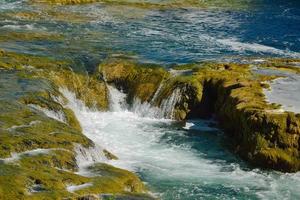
142, 109
162, 153
117, 99
88, 156
145, 109
157, 92
168, 105
57, 115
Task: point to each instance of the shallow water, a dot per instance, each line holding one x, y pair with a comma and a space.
177, 161
284, 91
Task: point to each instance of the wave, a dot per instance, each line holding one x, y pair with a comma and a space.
238, 46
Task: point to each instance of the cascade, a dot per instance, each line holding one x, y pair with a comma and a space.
88, 156
168, 105
117, 99
161, 152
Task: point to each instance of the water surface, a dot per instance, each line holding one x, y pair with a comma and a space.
91, 32
176, 161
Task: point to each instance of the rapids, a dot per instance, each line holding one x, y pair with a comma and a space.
178, 161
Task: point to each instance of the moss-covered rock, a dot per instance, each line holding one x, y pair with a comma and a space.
29, 36
113, 181
140, 81
163, 4
230, 91
59, 74
47, 176
39, 133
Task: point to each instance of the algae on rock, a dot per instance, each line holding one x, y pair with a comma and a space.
233, 93
39, 133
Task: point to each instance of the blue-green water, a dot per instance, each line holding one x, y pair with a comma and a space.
94, 31
176, 162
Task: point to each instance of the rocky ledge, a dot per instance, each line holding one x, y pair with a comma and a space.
42, 147
163, 4
258, 131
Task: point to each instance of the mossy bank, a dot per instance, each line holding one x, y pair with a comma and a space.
233, 93
41, 138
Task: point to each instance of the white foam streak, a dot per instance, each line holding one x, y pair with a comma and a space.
15, 127
117, 99
238, 46
57, 115
73, 188
88, 156
16, 156
168, 105
157, 92
145, 109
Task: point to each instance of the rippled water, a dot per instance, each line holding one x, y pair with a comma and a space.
177, 161
91, 32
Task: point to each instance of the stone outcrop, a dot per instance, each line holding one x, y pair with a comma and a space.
39, 133
258, 132
31, 89
163, 4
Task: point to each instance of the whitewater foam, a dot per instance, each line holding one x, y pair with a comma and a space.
168, 105
73, 188
88, 156
16, 156
285, 91
238, 46
178, 163
57, 115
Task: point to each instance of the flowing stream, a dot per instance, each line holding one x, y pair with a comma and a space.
178, 161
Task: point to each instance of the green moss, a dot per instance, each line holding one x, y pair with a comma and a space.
63, 2
283, 64
24, 127
165, 4
234, 94
113, 180
58, 74
138, 80
109, 155
48, 12
42, 170
29, 36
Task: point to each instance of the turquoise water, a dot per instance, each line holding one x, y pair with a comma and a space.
265, 28
177, 161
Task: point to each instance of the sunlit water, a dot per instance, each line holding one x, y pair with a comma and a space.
176, 161
94, 31
180, 161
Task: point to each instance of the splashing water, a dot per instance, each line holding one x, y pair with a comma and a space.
117, 99
179, 162
157, 92
168, 105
